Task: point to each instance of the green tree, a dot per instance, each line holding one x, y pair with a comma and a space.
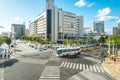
2, 40
8, 41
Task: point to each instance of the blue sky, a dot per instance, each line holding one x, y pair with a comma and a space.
18, 11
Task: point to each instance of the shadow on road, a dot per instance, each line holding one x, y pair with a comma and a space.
70, 57
9, 63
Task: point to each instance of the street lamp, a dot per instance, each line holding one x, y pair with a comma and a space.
14, 34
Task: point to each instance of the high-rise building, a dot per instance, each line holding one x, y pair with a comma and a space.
99, 26
119, 25
17, 30
115, 30
56, 24
26, 32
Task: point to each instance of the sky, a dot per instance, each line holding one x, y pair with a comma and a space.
20, 11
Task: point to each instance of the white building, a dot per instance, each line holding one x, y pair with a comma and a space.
56, 24
17, 30
6, 34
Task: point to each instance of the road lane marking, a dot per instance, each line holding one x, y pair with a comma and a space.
83, 66
91, 68
94, 68
101, 69
65, 64
68, 65
77, 66
71, 65
98, 69
74, 65
50, 73
87, 67
62, 64
80, 66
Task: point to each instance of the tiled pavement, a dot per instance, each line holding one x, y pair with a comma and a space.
112, 67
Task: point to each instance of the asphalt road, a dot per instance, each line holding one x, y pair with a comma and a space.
30, 64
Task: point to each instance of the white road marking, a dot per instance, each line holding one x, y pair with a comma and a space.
80, 66
74, 65
71, 65
77, 66
94, 68
91, 68
65, 64
68, 65
101, 69
62, 64
87, 67
98, 69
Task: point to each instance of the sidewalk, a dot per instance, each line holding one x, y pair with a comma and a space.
113, 68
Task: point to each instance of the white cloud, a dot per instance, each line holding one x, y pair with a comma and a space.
104, 12
103, 15
80, 3
107, 18
118, 21
90, 5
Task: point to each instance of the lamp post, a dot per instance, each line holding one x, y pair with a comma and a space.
14, 34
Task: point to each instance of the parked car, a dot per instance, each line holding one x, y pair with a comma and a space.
42, 49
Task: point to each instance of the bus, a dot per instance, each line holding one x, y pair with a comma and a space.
68, 51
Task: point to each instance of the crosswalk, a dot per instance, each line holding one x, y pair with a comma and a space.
50, 73
33, 61
79, 66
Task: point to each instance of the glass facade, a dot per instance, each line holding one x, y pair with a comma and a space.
49, 23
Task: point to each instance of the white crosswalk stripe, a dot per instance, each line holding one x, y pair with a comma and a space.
98, 69
68, 65
74, 65
77, 66
62, 64
71, 65
80, 66
102, 69
65, 64
87, 67
83, 66
50, 73
92, 68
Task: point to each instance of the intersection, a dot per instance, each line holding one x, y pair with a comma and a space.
31, 64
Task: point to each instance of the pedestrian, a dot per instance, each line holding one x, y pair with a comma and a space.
5, 56
8, 56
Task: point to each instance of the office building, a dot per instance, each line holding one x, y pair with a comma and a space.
115, 30
17, 30
26, 32
56, 24
99, 26
119, 24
